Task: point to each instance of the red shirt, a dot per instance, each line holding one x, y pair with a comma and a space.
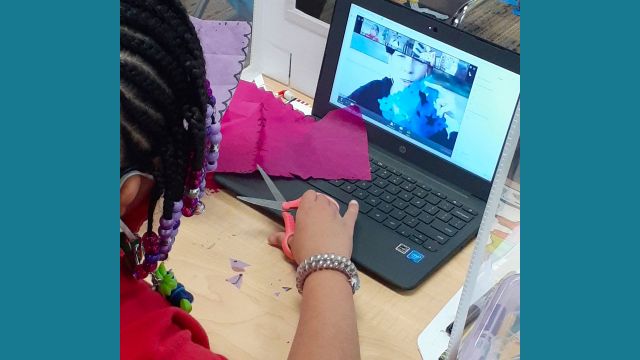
150, 328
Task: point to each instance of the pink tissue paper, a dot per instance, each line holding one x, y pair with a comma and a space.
259, 128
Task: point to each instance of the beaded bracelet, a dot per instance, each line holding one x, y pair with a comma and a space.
327, 262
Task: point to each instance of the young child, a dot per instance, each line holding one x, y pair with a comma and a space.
168, 141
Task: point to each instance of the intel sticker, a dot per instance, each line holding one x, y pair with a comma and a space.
415, 256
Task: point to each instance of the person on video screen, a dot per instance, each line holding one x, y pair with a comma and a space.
373, 33
403, 71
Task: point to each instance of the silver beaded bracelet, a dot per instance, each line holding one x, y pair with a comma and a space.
328, 262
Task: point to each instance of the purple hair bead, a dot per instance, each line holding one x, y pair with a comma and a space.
216, 138
165, 249
166, 224
162, 257
213, 156
176, 225
165, 233
177, 206
177, 215
209, 111
173, 236
216, 128
211, 167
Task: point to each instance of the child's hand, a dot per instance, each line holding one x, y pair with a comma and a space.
319, 228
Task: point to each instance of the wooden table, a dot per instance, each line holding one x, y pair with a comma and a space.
253, 323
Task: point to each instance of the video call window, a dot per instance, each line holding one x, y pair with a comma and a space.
412, 88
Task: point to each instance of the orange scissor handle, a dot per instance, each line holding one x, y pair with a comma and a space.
289, 230
289, 225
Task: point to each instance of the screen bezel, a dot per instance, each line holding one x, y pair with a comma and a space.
497, 55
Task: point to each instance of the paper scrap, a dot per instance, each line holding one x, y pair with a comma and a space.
277, 294
235, 280
238, 265
285, 288
260, 129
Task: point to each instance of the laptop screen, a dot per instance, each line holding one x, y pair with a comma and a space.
443, 100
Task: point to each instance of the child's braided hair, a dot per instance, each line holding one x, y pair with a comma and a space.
162, 96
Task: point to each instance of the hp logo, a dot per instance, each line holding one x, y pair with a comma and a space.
402, 149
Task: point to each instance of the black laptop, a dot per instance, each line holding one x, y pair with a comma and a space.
437, 103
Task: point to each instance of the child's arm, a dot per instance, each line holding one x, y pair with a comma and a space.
327, 326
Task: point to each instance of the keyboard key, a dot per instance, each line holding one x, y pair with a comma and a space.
421, 238
400, 204
392, 223
396, 180
377, 215
456, 203
440, 194
336, 182
405, 231
416, 239
409, 179
360, 194
444, 216
393, 170
432, 233
374, 168
430, 246
382, 183
444, 228
398, 214
432, 210
432, 199
348, 187
421, 193
446, 206
393, 189
413, 211
470, 210
411, 221
385, 208
425, 218
374, 190
424, 186
364, 207
388, 197
373, 201
405, 196
417, 202
383, 174
379, 163
363, 184
461, 215
407, 186
352, 181
457, 223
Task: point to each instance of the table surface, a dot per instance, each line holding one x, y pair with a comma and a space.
254, 322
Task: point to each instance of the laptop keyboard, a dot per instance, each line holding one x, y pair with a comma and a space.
413, 209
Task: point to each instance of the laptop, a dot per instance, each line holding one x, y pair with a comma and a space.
437, 104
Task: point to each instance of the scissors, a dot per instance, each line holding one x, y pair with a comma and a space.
280, 203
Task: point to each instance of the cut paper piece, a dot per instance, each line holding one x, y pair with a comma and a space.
237, 265
236, 280
260, 129
277, 294
224, 46
285, 288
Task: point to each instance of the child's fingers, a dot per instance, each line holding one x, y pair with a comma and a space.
275, 239
351, 214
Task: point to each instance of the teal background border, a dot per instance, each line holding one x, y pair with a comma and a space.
59, 141
580, 138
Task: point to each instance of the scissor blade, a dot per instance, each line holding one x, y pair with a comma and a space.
271, 204
272, 187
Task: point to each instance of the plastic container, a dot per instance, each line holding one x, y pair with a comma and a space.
496, 333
